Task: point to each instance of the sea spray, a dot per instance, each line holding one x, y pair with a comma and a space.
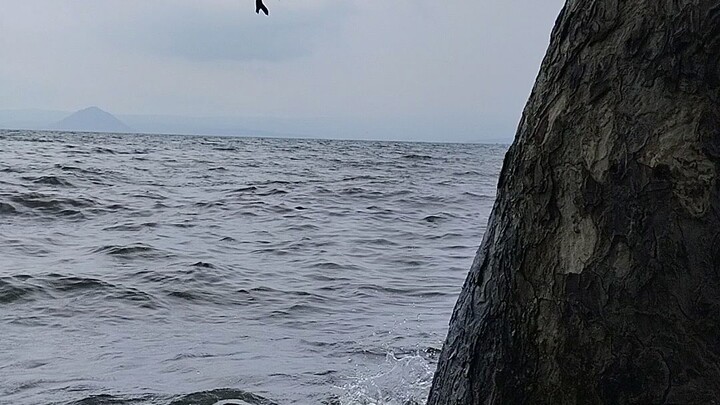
399, 380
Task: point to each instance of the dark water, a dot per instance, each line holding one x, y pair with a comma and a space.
191, 270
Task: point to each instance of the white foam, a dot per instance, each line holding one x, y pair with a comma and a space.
232, 402
401, 380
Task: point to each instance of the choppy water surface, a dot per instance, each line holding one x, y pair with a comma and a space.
190, 270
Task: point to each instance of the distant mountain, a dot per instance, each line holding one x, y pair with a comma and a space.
403, 128
92, 119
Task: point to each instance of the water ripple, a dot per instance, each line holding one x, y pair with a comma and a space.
138, 269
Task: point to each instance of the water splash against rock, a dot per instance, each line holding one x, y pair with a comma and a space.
401, 380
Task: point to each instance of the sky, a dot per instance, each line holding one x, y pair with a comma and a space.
458, 70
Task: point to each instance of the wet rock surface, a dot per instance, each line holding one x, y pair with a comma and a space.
598, 278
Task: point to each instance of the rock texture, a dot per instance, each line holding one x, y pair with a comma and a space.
598, 280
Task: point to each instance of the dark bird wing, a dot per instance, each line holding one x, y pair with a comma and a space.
260, 6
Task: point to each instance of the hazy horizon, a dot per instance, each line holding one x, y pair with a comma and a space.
211, 127
415, 70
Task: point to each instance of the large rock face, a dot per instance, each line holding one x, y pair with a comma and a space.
598, 280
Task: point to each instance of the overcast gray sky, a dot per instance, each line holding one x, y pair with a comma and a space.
457, 70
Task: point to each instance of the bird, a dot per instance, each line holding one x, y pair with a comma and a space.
260, 6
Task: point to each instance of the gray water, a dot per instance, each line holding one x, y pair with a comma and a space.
139, 269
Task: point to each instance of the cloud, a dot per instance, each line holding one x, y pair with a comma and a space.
223, 31
409, 66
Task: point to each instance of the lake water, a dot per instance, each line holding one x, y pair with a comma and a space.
139, 269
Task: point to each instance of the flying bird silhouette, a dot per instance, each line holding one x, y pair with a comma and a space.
260, 6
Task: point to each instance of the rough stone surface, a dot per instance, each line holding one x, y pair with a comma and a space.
598, 280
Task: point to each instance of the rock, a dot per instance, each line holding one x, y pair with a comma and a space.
598, 280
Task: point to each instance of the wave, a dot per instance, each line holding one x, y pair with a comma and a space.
400, 380
53, 205
223, 396
7, 209
237, 254
132, 250
274, 191
25, 288
439, 217
12, 291
50, 202
244, 189
48, 180
131, 227
414, 156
